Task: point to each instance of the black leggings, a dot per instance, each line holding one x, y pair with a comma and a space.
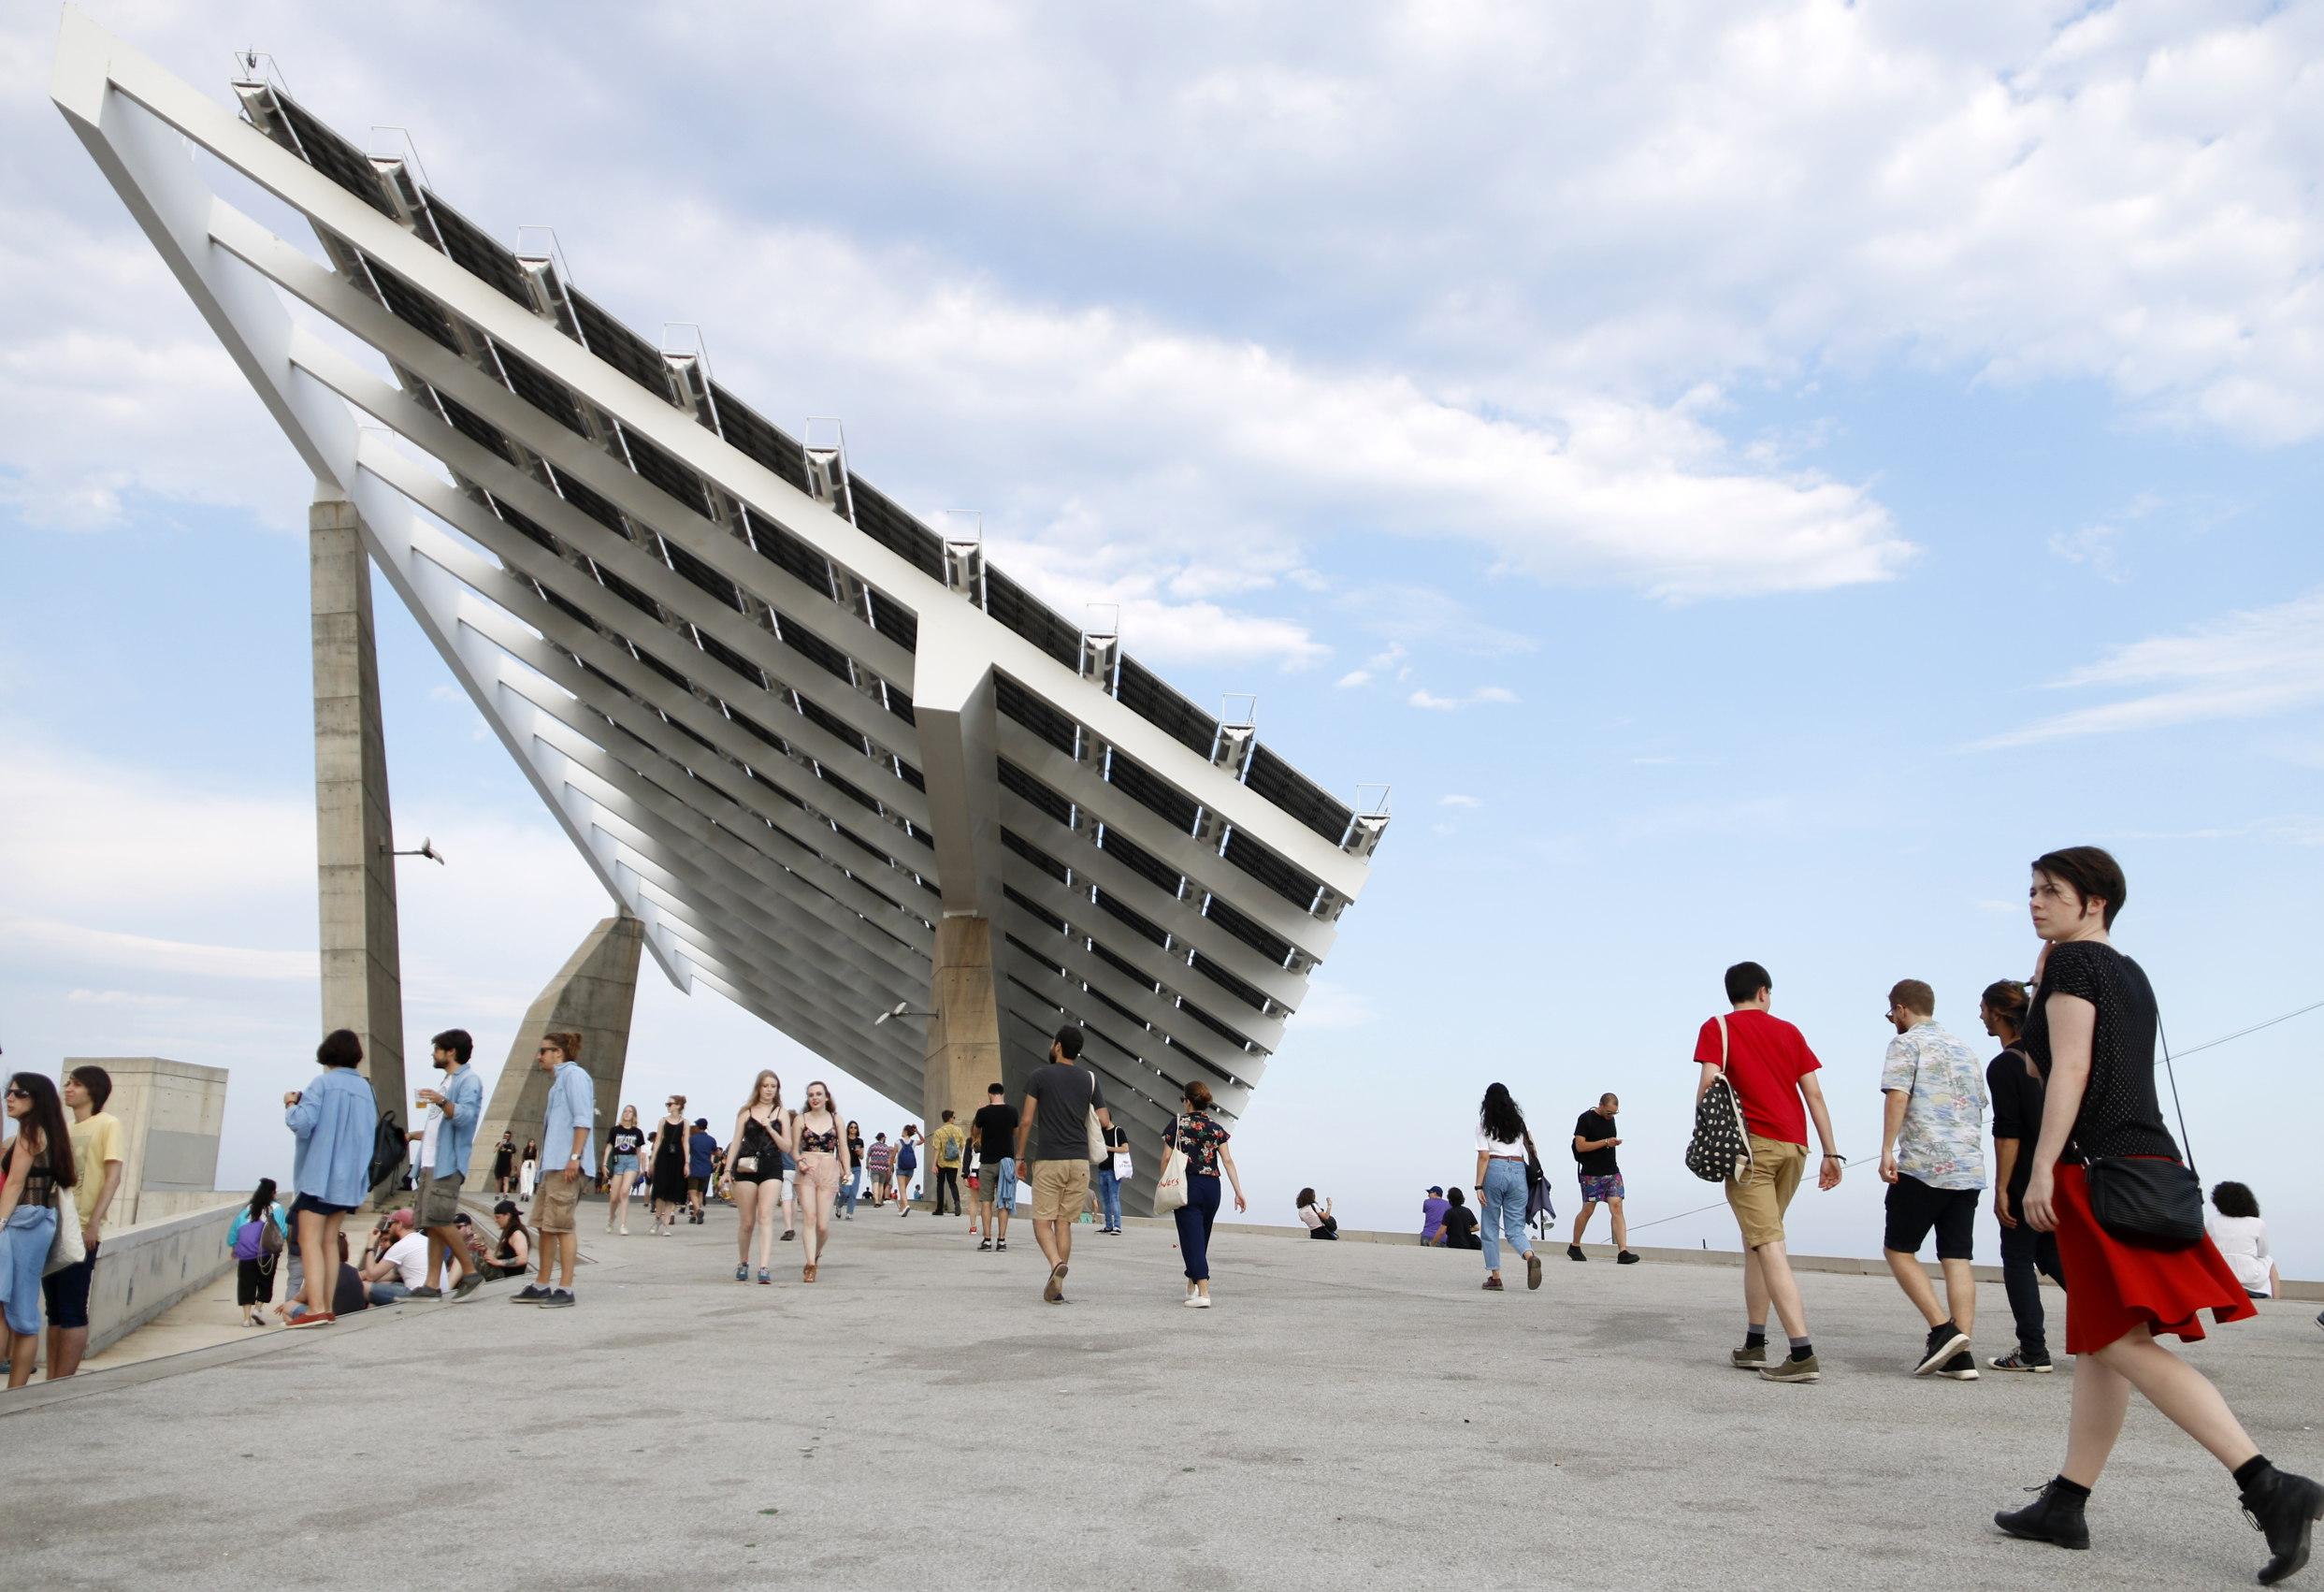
253, 1281
947, 1178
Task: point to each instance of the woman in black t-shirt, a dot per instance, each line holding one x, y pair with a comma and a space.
504, 1165
623, 1147
1460, 1223
2091, 1031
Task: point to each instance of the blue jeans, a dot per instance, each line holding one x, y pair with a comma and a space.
1195, 1219
1109, 1195
385, 1293
847, 1200
25, 1244
1504, 1212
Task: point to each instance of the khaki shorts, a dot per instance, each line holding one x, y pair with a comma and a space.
1762, 1194
553, 1202
1059, 1189
439, 1200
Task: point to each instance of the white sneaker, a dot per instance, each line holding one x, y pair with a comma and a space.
1199, 1302
624, 1229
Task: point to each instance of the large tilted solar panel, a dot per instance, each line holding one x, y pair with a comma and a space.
703, 641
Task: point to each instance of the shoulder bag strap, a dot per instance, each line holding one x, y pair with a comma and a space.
1723, 1042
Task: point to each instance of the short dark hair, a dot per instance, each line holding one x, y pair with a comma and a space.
457, 1041
998, 1088
2235, 1199
1455, 1196
1914, 995
1069, 1041
2093, 872
96, 1081
1610, 1094
1744, 980
339, 1048
947, 1116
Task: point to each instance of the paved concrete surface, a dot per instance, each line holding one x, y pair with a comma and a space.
1350, 1414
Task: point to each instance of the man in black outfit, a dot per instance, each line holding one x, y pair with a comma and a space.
2016, 1091
995, 1127
1594, 1142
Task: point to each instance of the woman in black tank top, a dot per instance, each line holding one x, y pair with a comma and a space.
762, 1132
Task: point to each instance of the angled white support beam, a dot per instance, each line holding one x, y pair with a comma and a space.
959, 733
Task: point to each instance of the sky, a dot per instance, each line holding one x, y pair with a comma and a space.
1747, 476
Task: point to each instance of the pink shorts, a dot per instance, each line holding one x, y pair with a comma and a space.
821, 1170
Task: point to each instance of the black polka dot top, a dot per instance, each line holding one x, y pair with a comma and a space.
2120, 1114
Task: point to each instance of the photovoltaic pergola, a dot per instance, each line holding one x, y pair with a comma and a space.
813, 745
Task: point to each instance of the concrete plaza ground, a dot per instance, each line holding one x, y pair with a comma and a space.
1350, 1414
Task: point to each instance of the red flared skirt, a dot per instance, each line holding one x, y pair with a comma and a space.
2113, 1287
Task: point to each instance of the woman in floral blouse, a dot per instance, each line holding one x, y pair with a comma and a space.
1203, 1143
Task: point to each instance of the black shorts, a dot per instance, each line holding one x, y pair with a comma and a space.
695, 1185
1914, 1208
320, 1207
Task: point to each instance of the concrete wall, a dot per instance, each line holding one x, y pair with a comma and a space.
171, 1114
145, 1269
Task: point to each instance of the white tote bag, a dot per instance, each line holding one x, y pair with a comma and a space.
1121, 1166
1170, 1188
65, 1248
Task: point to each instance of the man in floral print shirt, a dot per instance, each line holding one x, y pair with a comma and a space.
1933, 1157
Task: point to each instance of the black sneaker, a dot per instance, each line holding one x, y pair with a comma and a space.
426, 1293
2055, 1517
789, 1233
1000, 1246
1626, 1258
467, 1284
1944, 1343
1573, 1252
2019, 1360
561, 1299
1961, 1368
2286, 1508
984, 1245
529, 1294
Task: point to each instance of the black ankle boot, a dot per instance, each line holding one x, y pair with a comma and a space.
2055, 1518
2285, 1508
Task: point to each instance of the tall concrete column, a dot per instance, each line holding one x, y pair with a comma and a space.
362, 965
962, 1057
593, 995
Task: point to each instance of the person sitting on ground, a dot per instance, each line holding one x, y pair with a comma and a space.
2234, 1222
1460, 1223
512, 1249
1321, 1223
400, 1265
472, 1246
1432, 1215
348, 1294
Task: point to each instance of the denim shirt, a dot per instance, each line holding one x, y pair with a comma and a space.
456, 1135
335, 1123
572, 1103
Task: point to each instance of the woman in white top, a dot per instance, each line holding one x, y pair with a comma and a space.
1320, 1221
2242, 1239
1503, 1148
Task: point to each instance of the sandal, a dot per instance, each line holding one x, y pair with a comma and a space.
807, 1274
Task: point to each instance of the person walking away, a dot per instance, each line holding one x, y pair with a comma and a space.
879, 1160
564, 1129
1933, 1157
1504, 1145
853, 1185
624, 1146
1601, 1173
1768, 1062
1202, 1141
39, 1167
907, 1163
947, 1147
996, 1149
2091, 1031
1109, 1181
701, 1152
96, 1137
1432, 1206
1054, 1126
1318, 1220
822, 1156
762, 1130
2234, 1223
528, 1172
670, 1164
504, 1165
257, 1241
447, 1140
333, 1121
2014, 1089
1460, 1223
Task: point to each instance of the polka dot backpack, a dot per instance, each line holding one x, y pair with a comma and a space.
1720, 1148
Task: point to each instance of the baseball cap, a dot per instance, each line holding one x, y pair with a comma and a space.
701, 1122
1435, 1188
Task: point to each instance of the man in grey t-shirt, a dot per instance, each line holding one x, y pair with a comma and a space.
1059, 1099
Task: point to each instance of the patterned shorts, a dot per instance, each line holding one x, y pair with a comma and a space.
1600, 1189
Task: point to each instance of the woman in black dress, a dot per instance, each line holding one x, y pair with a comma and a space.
2091, 1032
504, 1165
762, 1131
673, 1141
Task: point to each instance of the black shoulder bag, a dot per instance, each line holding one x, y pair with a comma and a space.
2145, 1200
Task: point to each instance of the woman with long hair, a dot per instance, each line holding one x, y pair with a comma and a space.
504, 1165
1504, 1150
257, 1257
528, 1171
40, 1162
762, 1130
2091, 1031
511, 1245
907, 1163
851, 1180
822, 1152
622, 1148
1195, 1135
672, 1148
1318, 1218
2014, 1086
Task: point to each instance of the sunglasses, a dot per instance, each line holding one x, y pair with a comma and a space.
16, 1093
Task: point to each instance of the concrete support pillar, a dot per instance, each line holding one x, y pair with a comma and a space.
362, 965
962, 1057
593, 995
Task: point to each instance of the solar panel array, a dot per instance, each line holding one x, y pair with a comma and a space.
749, 692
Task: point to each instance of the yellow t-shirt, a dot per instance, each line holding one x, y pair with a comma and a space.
95, 1142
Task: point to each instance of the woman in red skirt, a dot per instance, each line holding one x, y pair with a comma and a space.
2091, 1032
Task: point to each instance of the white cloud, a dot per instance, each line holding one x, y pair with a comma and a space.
143, 953
1353, 678
2094, 546
2250, 664
1455, 801
1423, 698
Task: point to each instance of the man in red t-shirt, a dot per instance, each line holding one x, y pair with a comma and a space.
1773, 1073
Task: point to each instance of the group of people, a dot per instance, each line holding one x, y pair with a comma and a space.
1512, 1189
62, 1169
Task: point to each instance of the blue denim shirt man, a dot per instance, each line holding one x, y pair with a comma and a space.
572, 1103
565, 1142
447, 1139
